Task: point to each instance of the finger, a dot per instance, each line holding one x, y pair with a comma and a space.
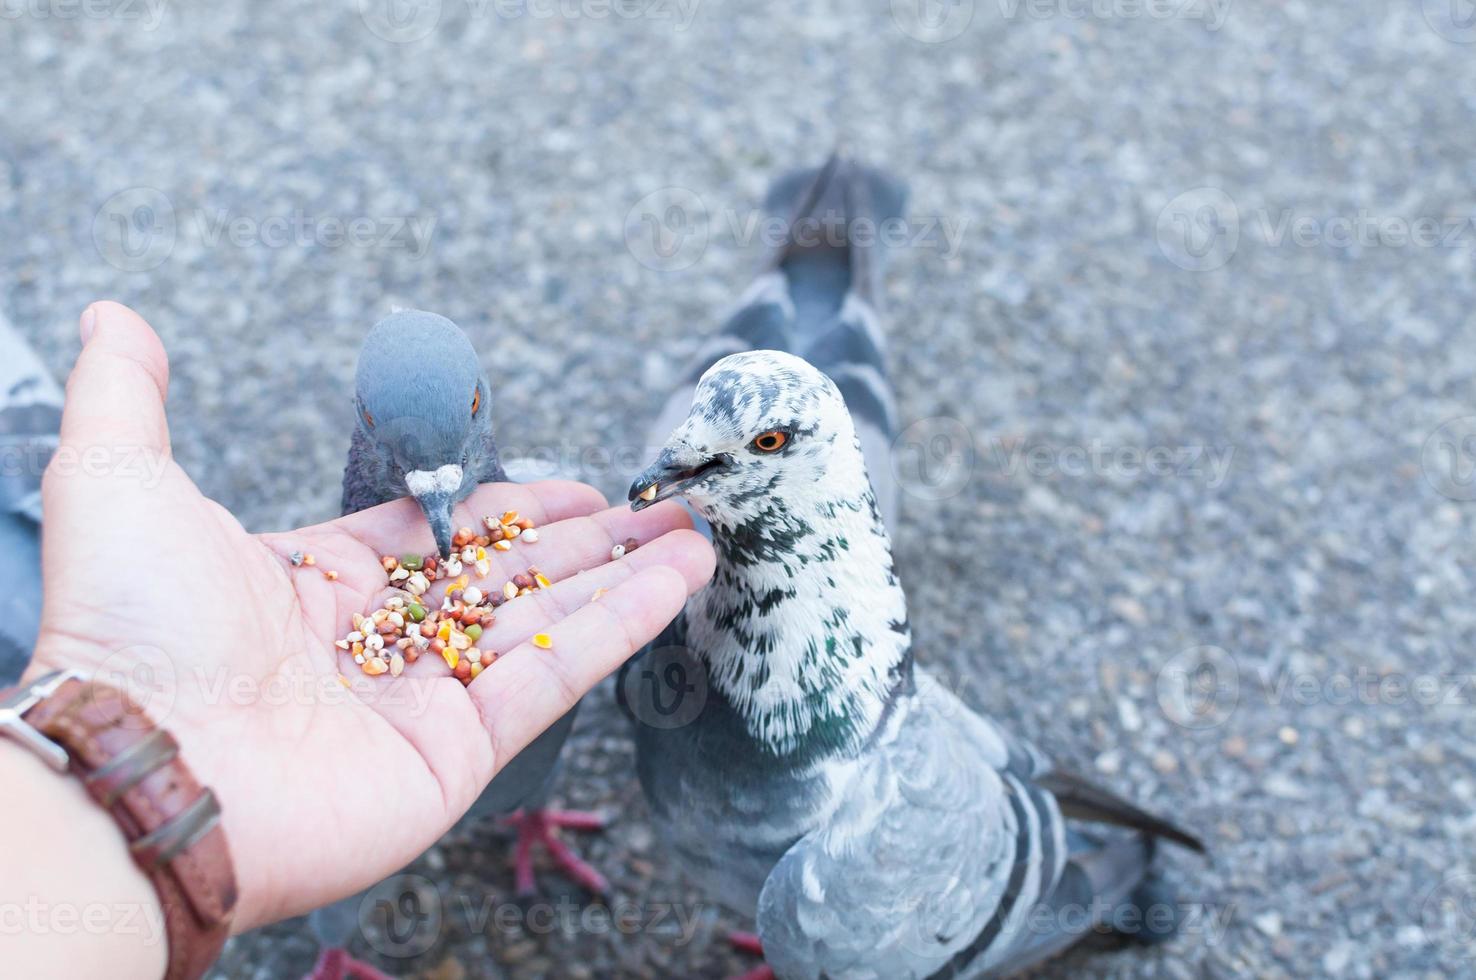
528, 688
399, 527
116, 392
684, 550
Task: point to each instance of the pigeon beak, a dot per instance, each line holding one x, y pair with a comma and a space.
673, 474
437, 508
435, 492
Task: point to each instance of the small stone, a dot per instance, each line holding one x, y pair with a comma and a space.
1268, 923
296, 559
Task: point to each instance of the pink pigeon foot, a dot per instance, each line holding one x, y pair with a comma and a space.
747, 942
538, 827
336, 964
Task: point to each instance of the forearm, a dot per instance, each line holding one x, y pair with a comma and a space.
72, 902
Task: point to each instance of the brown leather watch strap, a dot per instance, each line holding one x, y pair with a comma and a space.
172, 824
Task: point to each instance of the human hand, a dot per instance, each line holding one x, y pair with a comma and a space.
324, 789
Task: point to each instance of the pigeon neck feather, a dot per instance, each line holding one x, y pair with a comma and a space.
804, 626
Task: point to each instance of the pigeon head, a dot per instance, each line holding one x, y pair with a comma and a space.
763, 425
424, 406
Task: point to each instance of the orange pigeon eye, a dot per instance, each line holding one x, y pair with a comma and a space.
369, 420
476, 399
771, 442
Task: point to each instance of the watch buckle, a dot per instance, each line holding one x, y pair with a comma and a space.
13, 708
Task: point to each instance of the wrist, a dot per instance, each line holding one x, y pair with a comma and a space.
72, 901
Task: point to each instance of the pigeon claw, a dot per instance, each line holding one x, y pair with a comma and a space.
336, 964
538, 827
747, 942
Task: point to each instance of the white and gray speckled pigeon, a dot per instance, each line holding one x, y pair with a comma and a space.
425, 430
874, 824
30, 418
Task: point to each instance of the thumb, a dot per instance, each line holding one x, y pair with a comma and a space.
115, 395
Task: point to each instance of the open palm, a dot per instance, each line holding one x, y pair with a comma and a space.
329, 779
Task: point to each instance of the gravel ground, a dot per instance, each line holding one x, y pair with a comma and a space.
1180, 376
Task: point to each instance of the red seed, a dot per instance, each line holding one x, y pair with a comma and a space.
494, 535
631, 544
522, 581
463, 670
524, 523
438, 646
487, 657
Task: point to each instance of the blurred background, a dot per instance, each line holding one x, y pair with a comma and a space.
1181, 328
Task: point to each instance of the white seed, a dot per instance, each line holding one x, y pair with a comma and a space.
373, 642
472, 595
399, 575
509, 591
421, 642
649, 493
484, 567
468, 554
453, 567
359, 659
355, 637
530, 536
397, 620
459, 640
342, 644
417, 584
397, 665
617, 552
511, 530
394, 602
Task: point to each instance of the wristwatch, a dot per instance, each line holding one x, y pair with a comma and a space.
132, 769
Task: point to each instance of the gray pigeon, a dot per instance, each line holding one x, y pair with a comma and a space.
874, 824
30, 417
424, 430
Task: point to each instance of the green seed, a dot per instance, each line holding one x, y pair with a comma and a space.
473, 631
416, 612
413, 562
